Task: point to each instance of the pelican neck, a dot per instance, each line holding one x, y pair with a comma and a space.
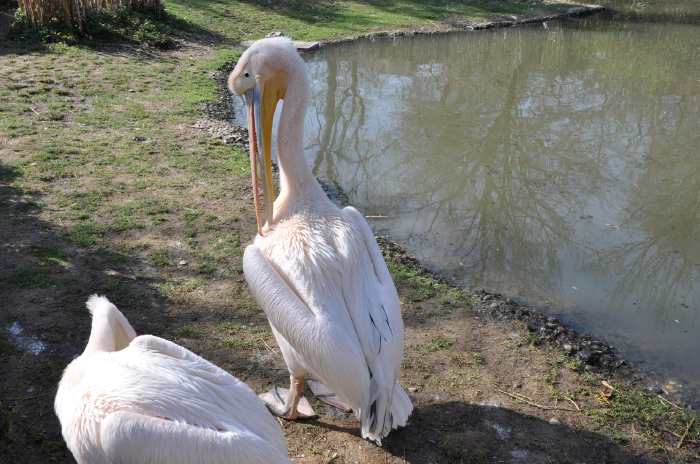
297, 182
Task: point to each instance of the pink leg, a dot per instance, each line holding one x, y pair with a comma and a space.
294, 406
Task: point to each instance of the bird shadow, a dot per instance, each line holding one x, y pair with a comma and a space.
463, 432
459, 432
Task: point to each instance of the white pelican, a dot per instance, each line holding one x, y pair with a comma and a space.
315, 269
139, 400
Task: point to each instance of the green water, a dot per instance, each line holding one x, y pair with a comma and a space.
559, 165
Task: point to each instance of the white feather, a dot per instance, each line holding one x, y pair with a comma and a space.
156, 402
317, 271
334, 310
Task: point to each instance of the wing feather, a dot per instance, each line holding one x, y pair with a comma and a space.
133, 438
332, 299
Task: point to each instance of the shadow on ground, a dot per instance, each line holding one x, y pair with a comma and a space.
470, 433
44, 282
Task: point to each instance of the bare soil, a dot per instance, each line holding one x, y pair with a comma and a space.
108, 186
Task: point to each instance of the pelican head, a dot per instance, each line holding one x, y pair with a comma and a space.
261, 77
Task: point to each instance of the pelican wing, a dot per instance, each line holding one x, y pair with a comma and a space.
376, 314
128, 437
322, 342
172, 350
336, 307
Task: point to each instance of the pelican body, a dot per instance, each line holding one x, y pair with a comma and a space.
129, 399
315, 269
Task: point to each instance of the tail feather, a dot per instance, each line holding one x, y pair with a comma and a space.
401, 407
96, 304
110, 329
388, 410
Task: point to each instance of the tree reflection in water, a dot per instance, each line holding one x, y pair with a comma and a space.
556, 165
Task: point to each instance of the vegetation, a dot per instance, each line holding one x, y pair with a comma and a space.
107, 185
74, 14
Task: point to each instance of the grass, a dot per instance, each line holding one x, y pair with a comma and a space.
306, 20
647, 415
100, 129
438, 343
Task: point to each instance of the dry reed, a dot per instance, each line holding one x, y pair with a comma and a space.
74, 12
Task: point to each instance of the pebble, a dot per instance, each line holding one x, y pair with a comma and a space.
554, 421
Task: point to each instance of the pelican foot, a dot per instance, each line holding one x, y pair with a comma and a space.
324, 394
275, 402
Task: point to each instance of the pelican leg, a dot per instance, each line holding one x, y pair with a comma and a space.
289, 404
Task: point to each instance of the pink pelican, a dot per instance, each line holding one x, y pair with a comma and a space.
145, 400
316, 269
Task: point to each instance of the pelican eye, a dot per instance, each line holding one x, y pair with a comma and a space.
246, 75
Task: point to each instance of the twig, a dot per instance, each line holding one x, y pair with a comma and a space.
35, 111
525, 399
685, 434
572, 402
664, 400
268, 347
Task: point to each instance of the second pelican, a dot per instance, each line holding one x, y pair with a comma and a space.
316, 269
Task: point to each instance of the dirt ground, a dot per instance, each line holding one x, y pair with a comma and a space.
108, 186
459, 361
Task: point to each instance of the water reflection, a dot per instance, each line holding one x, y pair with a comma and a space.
556, 165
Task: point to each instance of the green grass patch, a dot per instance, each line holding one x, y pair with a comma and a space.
647, 414
31, 277
160, 258
418, 285
313, 20
85, 234
51, 256
239, 336
438, 343
191, 331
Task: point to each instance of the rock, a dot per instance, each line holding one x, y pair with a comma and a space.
584, 355
554, 421
307, 46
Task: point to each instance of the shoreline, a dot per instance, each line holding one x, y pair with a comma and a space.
447, 27
594, 354
113, 185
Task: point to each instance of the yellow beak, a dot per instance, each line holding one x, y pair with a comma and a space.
262, 103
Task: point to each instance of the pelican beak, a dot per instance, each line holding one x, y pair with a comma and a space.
262, 102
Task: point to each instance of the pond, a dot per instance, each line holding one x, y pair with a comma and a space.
557, 164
